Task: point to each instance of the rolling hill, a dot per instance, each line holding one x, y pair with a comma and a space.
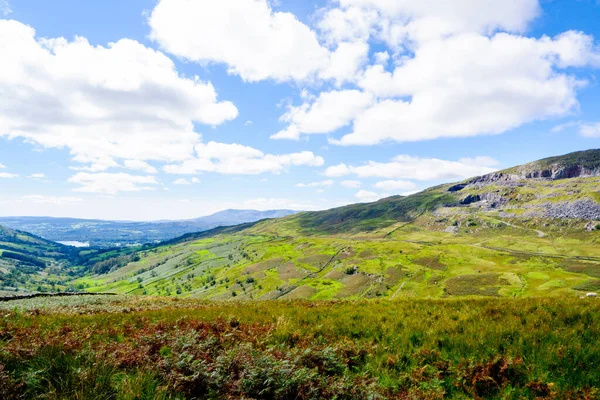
100, 233
526, 231
26, 261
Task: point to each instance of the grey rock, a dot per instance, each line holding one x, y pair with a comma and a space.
580, 209
470, 199
451, 229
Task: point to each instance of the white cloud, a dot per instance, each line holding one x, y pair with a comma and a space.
392, 186
139, 165
315, 184
6, 175
338, 170
496, 84
236, 159
421, 169
110, 184
183, 181
479, 161
37, 176
382, 57
351, 184
402, 20
120, 102
55, 200
345, 62
254, 41
366, 196
329, 112
590, 130
562, 127
2, 166
349, 24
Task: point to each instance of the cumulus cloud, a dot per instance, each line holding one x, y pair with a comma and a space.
253, 40
120, 102
417, 168
111, 184
315, 184
139, 165
183, 181
6, 175
398, 21
392, 185
500, 81
367, 196
496, 84
590, 130
236, 159
37, 176
327, 113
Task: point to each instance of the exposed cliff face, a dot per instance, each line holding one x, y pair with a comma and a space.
561, 172
532, 189
575, 165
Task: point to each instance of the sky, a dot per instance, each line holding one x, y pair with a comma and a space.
173, 109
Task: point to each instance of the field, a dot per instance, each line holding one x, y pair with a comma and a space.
121, 347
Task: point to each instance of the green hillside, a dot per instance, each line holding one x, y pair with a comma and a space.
27, 261
508, 234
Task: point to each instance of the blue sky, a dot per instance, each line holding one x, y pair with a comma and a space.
177, 109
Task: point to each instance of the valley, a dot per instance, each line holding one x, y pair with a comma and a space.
503, 235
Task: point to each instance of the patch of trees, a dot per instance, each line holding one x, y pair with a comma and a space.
24, 258
111, 264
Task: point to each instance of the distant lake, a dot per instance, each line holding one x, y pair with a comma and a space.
75, 243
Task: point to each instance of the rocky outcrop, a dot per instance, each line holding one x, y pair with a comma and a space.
560, 172
470, 199
457, 188
581, 209
493, 178
451, 229
492, 200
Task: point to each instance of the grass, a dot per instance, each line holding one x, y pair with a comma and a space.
143, 347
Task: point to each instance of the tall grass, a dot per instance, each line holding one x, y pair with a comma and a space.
491, 348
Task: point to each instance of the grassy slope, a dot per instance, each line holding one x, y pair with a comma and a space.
487, 257
145, 347
40, 259
397, 247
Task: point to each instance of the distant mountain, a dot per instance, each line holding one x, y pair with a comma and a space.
122, 233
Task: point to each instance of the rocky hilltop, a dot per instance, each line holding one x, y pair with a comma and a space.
563, 187
580, 164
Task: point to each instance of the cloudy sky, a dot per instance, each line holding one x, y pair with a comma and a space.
145, 109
